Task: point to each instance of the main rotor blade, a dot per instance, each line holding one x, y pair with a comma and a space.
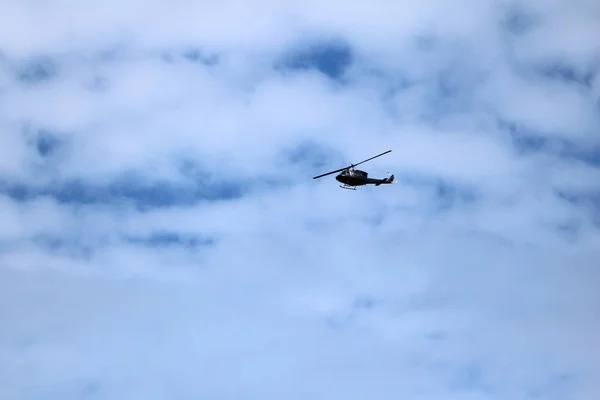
351, 166
369, 159
332, 172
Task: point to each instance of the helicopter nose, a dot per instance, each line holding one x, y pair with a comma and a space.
337, 178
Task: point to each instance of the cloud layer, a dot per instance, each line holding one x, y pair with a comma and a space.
163, 237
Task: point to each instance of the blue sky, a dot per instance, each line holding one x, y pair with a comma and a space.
162, 236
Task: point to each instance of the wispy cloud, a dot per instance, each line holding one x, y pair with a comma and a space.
162, 235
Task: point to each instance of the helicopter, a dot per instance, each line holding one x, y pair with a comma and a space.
350, 178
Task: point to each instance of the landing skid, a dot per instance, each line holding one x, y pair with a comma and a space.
347, 187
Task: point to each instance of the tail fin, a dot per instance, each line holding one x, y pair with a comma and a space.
390, 179
387, 180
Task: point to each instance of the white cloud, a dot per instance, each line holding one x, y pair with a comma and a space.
469, 278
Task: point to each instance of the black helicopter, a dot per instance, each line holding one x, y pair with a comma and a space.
350, 177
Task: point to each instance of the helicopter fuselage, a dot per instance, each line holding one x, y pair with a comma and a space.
359, 178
